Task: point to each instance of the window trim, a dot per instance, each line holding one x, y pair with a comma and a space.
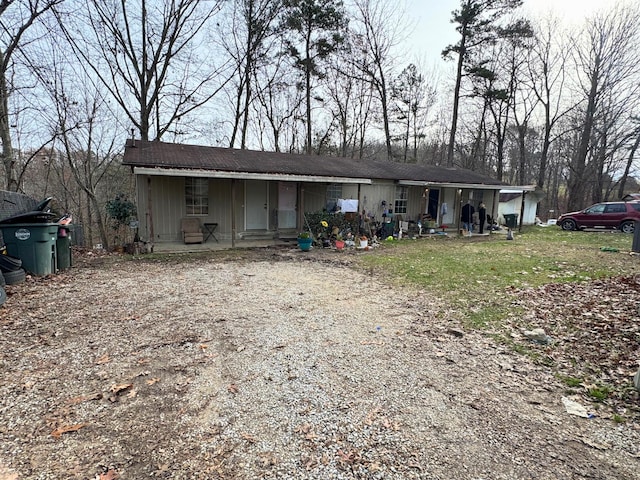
199, 204
401, 200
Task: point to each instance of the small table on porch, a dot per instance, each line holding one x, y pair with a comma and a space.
209, 229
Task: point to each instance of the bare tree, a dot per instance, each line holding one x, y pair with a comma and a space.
413, 97
85, 153
633, 149
17, 18
252, 24
608, 67
147, 54
280, 107
350, 100
478, 23
378, 30
546, 64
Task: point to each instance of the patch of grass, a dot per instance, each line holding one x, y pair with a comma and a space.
571, 381
618, 418
485, 317
479, 271
599, 393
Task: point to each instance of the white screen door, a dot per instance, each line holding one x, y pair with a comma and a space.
256, 205
286, 205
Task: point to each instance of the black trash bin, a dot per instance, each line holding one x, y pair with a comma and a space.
63, 247
34, 244
511, 220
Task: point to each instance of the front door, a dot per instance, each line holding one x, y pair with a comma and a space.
256, 205
286, 205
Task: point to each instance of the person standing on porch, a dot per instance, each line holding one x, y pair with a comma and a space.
467, 216
482, 216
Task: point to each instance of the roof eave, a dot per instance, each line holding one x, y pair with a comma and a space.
283, 177
474, 186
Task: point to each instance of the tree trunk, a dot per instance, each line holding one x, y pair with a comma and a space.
627, 169
8, 159
456, 97
577, 181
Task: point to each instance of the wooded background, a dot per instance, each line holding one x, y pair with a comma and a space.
524, 100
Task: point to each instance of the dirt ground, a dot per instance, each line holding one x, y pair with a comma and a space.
275, 364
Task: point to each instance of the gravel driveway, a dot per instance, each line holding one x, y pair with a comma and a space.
274, 367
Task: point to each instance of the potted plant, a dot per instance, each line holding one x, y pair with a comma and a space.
304, 241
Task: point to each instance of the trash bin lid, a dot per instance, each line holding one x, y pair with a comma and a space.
42, 206
35, 216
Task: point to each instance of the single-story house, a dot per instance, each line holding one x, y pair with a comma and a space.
255, 194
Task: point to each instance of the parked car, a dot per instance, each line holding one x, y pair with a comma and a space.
621, 215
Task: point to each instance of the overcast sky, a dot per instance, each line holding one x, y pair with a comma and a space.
433, 29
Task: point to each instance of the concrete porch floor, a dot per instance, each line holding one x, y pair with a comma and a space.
212, 245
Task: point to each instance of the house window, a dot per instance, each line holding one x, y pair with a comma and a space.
400, 204
196, 194
334, 192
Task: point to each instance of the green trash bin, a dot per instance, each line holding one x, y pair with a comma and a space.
511, 220
34, 244
63, 247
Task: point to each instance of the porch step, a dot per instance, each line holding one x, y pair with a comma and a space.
287, 235
257, 235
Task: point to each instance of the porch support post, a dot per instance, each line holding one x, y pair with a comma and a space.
300, 220
521, 211
150, 213
233, 212
494, 208
359, 215
458, 210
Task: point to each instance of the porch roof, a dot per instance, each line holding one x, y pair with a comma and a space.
160, 158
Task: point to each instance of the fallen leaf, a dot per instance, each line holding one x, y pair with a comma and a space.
248, 438
132, 394
233, 388
109, 475
151, 381
204, 347
117, 389
103, 359
57, 433
348, 457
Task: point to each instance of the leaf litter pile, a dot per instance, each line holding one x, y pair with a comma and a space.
279, 365
594, 339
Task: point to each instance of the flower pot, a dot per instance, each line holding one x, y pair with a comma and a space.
339, 244
364, 243
305, 244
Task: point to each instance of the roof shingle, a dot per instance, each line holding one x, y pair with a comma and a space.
183, 156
